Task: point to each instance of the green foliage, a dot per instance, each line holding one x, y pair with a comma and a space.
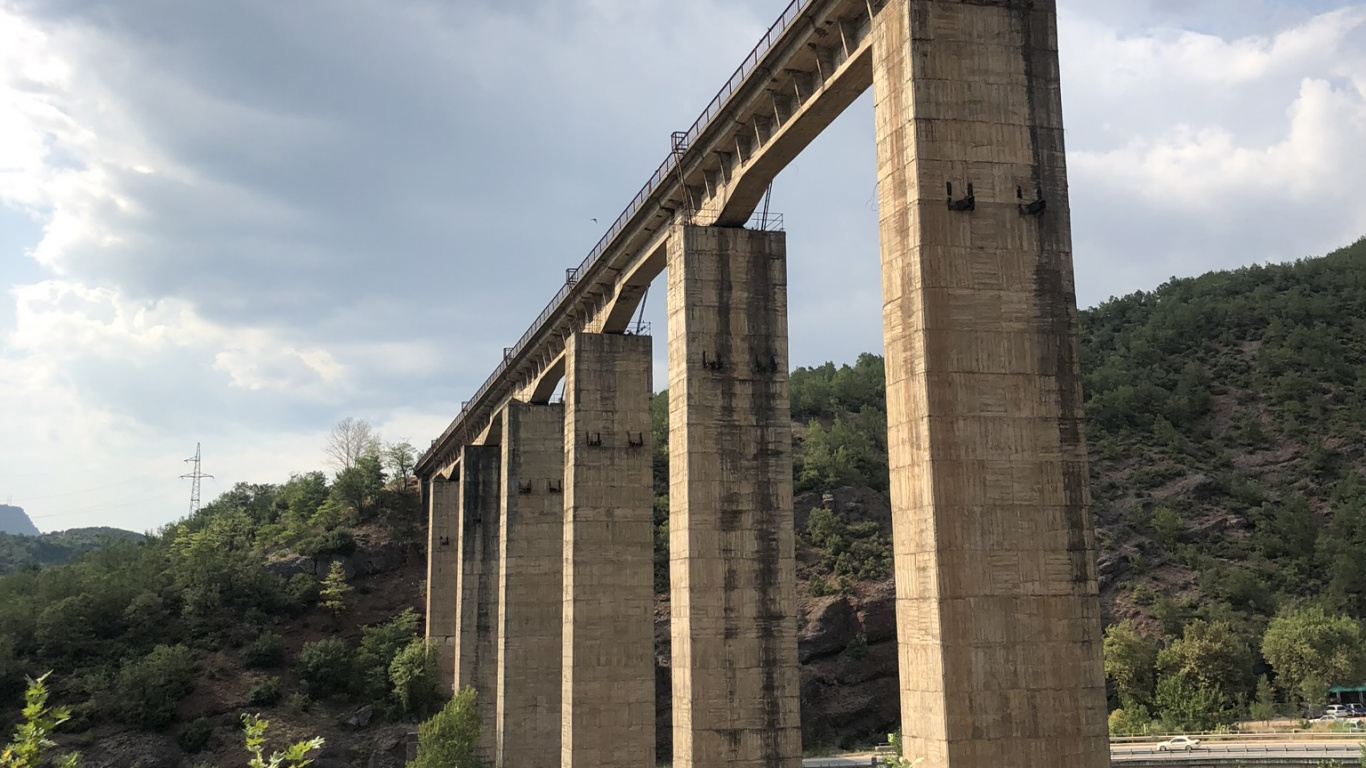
335, 589
413, 676
195, 736
265, 693
18, 552
1187, 707
399, 459
1130, 659
328, 666
30, 745
1132, 719
860, 551
897, 758
1311, 650
266, 651
294, 756
1211, 656
380, 644
451, 737
150, 688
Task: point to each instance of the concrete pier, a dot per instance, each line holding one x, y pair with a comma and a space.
443, 565
736, 678
608, 674
997, 611
476, 592
530, 587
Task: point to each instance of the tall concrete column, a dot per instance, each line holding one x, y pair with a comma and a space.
443, 567
736, 679
477, 592
997, 612
609, 692
530, 587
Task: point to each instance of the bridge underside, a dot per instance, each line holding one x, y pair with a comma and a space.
997, 608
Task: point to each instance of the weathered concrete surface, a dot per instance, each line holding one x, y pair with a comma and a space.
530, 587
608, 662
476, 591
998, 614
736, 681
443, 565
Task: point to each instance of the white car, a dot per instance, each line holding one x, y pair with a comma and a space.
1182, 743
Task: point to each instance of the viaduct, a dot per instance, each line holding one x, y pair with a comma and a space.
539, 589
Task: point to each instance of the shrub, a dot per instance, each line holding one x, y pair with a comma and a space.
195, 736
327, 666
265, 693
450, 737
336, 542
413, 675
303, 590
150, 688
266, 651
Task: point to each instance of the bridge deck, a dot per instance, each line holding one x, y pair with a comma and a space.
813, 62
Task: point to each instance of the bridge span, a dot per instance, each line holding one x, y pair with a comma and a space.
540, 592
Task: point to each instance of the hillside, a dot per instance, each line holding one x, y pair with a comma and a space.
25, 551
14, 521
1227, 423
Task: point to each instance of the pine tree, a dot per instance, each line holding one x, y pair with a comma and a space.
335, 589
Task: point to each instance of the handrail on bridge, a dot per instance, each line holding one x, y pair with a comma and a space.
761, 49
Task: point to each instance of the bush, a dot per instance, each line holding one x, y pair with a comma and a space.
413, 675
449, 739
264, 652
150, 688
195, 736
327, 666
265, 693
302, 590
337, 542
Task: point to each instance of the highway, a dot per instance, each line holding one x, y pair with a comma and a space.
1346, 751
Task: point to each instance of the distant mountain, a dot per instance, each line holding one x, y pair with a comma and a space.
13, 520
22, 551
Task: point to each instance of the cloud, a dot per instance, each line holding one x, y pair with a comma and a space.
1191, 151
259, 217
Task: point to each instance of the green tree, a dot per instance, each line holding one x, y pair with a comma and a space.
1167, 525
1210, 655
335, 589
1306, 645
399, 459
451, 737
295, 756
150, 688
413, 676
328, 666
1129, 663
1185, 706
31, 742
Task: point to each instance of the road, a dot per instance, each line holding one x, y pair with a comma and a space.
1346, 751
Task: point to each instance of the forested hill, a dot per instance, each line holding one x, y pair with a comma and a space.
1226, 417
25, 551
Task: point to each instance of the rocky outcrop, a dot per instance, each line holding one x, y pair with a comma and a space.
847, 648
369, 558
14, 521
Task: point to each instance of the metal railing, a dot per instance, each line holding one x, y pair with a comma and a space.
670, 163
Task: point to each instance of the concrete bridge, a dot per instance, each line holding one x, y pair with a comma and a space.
540, 572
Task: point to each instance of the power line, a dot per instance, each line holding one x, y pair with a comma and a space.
196, 476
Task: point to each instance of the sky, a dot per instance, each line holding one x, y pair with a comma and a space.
236, 223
